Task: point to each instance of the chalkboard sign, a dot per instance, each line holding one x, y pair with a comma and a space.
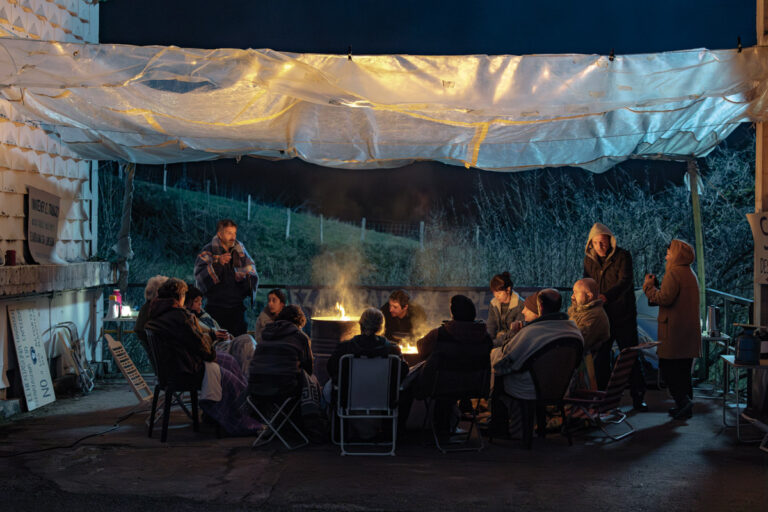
30, 352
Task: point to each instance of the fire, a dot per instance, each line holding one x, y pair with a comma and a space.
408, 347
342, 312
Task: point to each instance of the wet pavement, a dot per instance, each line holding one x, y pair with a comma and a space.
665, 465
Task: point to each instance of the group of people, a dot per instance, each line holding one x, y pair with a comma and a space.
213, 345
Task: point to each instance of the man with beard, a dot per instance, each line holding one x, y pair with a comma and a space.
226, 275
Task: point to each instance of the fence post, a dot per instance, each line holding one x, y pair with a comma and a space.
362, 230
287, 223
477, 237
208, 191
321, 229
421, 235
165, 178
249, 206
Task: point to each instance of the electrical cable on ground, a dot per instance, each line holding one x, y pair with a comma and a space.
114, 427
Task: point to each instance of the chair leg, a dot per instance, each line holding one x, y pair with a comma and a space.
195, 414
541, 421
155, 398
168, 401
564, 430
527, 413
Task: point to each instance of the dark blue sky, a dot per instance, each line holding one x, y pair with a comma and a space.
415, 27
432, 27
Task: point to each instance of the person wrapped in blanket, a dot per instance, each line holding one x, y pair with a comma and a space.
226, 275
187, 349
240, 347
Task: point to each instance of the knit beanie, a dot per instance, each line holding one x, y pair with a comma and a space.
462, 308
532, 303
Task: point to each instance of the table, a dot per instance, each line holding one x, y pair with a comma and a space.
723, 340
730, 365
119, 332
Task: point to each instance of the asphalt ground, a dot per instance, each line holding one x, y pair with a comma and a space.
664, 465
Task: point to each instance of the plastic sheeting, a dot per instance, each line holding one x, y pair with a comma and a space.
168, 104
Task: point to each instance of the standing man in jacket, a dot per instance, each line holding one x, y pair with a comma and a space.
226, 275
611, 267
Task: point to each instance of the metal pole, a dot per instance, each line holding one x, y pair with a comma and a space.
249, 206
421, 235
362, 230
477, 236
321, 229
165, 179
287, 223
693, 174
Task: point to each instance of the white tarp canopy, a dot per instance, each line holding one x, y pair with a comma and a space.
167, 104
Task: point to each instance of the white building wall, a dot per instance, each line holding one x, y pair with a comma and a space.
30, 156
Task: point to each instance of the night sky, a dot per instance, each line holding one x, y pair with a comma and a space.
412, 27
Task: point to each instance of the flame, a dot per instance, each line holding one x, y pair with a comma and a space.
342, 313
408, 347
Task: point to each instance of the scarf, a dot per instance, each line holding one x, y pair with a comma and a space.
206, 276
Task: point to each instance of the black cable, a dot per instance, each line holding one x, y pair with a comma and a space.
114, 427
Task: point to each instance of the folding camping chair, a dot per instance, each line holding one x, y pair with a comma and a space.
274, 399
368, 391
601, 408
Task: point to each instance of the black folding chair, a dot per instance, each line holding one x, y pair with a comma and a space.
172, 384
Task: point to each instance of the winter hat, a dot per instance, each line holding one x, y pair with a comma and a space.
462, 308
532, 303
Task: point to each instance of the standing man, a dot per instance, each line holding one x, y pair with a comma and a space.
611, 267
226, 275
402, 318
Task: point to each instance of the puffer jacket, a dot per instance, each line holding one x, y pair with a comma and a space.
498, 324
614, 277
678, 300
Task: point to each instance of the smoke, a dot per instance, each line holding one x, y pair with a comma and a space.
342, 272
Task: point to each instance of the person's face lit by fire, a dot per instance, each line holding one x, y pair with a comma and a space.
581, 294
529, 315
227, 235
503, 295
396, 310
602, 245
197, 305
273, 304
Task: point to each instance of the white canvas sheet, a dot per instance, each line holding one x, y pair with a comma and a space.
168, 104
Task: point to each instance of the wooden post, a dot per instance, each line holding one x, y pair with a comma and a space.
321, 229
421, 235
165, 179
477, 237
208, 191
362, 230
761, 181
287, 223
693, 179
249, 206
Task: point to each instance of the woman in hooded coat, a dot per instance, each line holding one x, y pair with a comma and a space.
679, 324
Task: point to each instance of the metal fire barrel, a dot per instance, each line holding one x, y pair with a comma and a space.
327, 333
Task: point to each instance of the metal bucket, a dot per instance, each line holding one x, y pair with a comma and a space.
326, 336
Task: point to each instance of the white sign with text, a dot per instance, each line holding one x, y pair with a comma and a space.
30, 352
43, 226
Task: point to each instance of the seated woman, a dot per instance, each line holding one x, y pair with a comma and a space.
275, 303
368, 343
505, 313
150, 293
282, 354
240, 347
187, 351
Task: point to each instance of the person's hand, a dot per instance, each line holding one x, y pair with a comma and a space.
515, 327
221, 334
225, 258
603, 298
650, 279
